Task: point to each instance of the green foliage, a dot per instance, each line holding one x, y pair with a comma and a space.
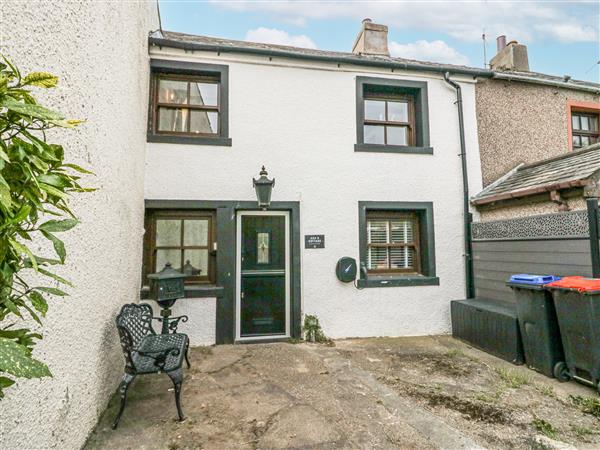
545, 427
588, 405
513, 378
313, 331
35, 183
545, 389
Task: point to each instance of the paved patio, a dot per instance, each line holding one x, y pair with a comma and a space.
426, 392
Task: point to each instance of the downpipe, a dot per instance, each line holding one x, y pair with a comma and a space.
468, 217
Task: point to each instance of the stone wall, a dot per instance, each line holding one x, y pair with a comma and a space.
521, 123
99, 51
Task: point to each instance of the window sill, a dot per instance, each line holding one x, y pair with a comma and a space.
377, 148
195, 140
396, 281
192, 291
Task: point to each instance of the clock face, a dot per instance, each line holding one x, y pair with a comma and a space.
346, 269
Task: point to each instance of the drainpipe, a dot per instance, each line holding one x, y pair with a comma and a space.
468, 217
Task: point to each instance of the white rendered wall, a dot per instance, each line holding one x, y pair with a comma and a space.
200, 326
301, 123
98, 49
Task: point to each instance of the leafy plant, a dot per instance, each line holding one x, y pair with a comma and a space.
312, 329
35, 184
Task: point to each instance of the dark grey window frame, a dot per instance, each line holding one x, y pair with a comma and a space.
158, 66
424, 211
418, 89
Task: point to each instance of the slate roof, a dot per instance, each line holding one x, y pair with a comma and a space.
190, 41
242, 46
562, 172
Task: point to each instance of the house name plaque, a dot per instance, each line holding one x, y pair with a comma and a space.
314, 241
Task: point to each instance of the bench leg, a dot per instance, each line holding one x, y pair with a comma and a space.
187, 347
125, 382
177, 378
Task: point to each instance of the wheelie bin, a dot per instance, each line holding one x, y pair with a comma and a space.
577, 303
537, 322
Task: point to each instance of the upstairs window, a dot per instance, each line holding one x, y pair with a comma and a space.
389, 119
392, 116
188, 103
585, 129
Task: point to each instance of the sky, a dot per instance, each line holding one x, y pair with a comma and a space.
562, 37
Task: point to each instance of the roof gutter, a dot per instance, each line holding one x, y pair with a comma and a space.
536, 80
467, 216
529, 192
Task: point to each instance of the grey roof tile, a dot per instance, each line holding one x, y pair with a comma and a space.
570, 170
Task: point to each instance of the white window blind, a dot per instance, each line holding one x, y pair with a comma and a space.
391, 244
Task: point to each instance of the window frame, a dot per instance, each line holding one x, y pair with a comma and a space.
410, 125
366, 89
578, 107
188, 106
150, 247
389, 216
582, 133
188, 71
423, 211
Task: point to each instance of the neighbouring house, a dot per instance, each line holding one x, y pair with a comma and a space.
525, 118
365, 152
540, 160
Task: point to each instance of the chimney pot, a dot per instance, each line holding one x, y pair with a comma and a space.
372, 39
500, 43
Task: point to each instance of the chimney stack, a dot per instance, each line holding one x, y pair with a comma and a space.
372, 40
511, 56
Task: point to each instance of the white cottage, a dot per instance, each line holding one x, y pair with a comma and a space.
366, 152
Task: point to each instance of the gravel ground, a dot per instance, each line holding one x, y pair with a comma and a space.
422, 393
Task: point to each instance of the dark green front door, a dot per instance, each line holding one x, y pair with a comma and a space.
263, 305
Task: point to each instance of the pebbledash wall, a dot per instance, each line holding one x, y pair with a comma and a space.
299, 119
522, 123
99, 51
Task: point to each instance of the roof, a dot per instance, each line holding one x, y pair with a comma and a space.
205, 43
563, 172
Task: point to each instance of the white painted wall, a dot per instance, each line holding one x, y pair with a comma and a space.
299, 120
99, 51
200, 326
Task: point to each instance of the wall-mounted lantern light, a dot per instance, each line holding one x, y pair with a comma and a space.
263, 187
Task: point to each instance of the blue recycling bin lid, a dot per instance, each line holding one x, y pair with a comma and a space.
536, 280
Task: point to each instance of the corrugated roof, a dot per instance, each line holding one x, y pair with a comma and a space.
563, 172
190, 41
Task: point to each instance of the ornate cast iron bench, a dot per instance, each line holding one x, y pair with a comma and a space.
147, 352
